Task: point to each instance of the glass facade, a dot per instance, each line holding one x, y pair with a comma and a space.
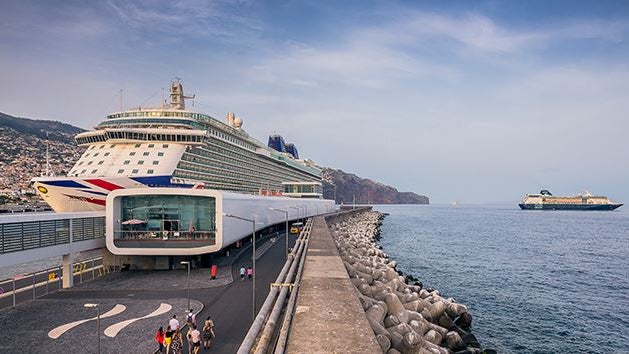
167, 217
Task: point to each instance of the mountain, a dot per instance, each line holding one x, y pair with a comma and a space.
347, 188
23, 145
23, 156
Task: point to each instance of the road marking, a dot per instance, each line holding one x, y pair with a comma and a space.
58, 331
113, 330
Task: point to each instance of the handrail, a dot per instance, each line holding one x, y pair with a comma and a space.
263, 314
280, 346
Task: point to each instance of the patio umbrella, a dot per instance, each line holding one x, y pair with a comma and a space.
133, 222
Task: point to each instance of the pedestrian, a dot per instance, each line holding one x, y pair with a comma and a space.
159, 337
191, 318
242, 273
177, 344
168, 338
249, 272
174, 323
189, 337
208, 332
195, 336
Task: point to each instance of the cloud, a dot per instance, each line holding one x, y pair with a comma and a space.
213, 20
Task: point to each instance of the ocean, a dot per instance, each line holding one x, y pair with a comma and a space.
534, 281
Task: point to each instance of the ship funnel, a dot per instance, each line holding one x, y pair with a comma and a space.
230, 118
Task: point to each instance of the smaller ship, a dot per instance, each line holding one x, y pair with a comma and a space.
586, 201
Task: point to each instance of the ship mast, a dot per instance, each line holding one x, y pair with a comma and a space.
177, 98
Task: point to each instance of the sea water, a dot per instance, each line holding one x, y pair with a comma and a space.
534, 281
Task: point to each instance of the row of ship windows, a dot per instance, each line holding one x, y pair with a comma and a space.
245, 166
256, 156
227, 183
138, 136
165, 146
220, 174
126, 162
159, 114
245, 169
231, 138
120, 171
132, 153
249, 159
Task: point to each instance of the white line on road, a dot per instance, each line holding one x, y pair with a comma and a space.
58, 331
113, 330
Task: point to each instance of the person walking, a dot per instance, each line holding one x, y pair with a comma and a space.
249, 272
174, 323
189, 337
177, 344
168, 338
195, 337
242, 273
191, 318
159, 337
208, 333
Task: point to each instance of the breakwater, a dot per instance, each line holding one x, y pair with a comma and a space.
406, 318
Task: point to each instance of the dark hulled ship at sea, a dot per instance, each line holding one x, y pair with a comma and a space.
546, 201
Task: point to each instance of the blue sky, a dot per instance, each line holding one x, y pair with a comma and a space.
474, 101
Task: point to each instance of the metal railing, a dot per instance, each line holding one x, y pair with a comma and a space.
164, 235
263, 329
22, 288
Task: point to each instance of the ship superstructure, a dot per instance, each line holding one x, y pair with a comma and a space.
585, 201
171, 146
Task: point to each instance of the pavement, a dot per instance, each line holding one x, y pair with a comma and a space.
149, 299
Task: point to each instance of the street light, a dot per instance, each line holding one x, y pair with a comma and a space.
188, 264
253, 221
91, 306
286, 231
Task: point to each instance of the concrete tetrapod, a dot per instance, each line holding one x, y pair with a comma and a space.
405, 317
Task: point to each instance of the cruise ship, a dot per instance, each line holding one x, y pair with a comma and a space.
586, 201
171, 146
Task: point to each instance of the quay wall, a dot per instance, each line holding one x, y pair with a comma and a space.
353, 299
329, 316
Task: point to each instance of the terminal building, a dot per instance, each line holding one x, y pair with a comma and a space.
150, 225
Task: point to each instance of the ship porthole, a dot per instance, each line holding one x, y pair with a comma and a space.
42, 189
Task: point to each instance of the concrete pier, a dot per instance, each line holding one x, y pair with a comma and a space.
328, 317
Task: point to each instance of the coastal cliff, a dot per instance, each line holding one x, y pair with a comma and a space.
347, 188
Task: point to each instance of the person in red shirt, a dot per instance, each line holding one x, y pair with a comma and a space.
159, 337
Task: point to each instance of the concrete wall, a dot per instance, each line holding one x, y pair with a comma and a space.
328, 316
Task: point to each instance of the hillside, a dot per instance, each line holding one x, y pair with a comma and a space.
23, 156
23, 150
347, 188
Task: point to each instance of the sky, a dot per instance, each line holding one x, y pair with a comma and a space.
468, 101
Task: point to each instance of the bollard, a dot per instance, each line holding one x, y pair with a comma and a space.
214, 271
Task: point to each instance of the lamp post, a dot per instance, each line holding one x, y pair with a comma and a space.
285, 231
253, 222
188, 264
91, 306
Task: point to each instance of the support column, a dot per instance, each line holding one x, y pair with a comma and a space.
68, 276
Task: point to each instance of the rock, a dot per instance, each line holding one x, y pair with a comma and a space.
464, 320
445, 321
454, 310
384, 342
433, 337
454, 341
391, 321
